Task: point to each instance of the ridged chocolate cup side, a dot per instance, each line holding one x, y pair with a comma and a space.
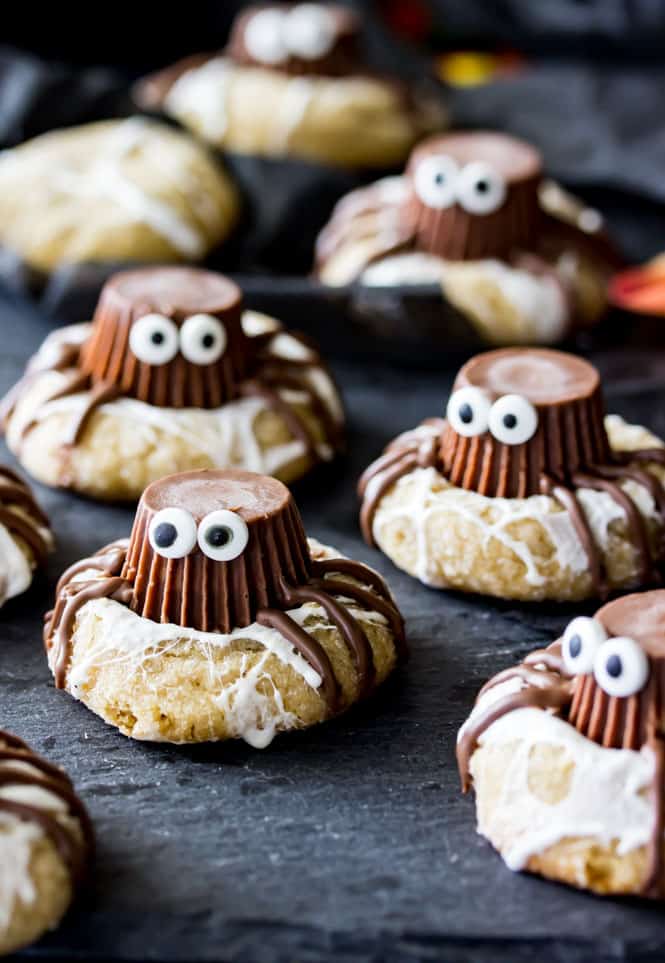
344, 58
178, 293
211, 596
571, 436
633, 721
455, 234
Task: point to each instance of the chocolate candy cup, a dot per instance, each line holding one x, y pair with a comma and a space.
177, 293
566, 392
205, 594
457, 235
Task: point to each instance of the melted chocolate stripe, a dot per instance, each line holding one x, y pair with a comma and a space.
368, 600
26, 529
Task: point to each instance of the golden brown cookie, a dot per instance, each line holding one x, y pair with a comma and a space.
218, 619
526, 491
118, 190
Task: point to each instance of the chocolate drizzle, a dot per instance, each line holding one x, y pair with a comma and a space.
74, 843
22, 516
106, 368
635, 722
274, 572
569, 450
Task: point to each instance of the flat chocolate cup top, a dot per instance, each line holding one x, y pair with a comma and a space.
253, 497
514, 159
640, 616
542, 376
176, 290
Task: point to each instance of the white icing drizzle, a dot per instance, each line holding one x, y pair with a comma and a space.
105, 177
17, 838
15, 570
203, 90
607, 799
424, 492
115, 635
291, 112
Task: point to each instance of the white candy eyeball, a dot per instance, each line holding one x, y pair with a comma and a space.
309, 31
468, 411
264, 37
154, 339
513, 420
172, 533
223, 535
581, 640
203, 339
435, 180
621, 667
480, 188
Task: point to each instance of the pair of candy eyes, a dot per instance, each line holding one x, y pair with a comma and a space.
307, 31
155, 339
512, 419
222, 535
619, 665
477, 187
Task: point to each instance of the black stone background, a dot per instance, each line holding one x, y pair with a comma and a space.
350, 841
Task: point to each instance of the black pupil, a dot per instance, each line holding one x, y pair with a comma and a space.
466, 413
510, 421
157, 337
614, 666
440, 179
165, 534
218, 536
208, 340
574, 646
482, 187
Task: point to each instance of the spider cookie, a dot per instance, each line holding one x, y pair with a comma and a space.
171, 374
118, 190
526, 490
46, 844
25, 535
218, 619
292, 82
523, 260
566, 753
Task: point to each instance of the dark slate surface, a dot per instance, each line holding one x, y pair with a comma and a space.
350, 841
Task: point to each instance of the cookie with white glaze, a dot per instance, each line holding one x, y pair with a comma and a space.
526, 490
292, 82
25, 535
566, 754
46, 844
117, 190
521, 259
218, 619
172, 374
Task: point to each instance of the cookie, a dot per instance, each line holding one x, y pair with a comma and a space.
526, 490
118, 190
25, 535
218, 619
46, 844
292, 82
172, 373
566, 753
515, 254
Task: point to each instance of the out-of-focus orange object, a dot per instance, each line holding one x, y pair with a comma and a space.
471, 68
641, 289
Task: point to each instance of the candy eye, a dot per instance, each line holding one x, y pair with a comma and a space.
621, 667
581, 640
264, 37
480, 189
309, 31
203, 339
223, 535
172, 533
154, 339
435, 179
468, 411
513, 420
